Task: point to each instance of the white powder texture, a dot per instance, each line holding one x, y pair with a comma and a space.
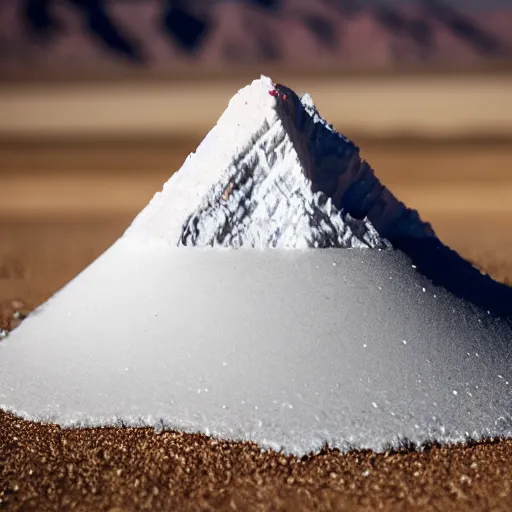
292, 349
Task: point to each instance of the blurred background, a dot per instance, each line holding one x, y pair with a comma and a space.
102, 100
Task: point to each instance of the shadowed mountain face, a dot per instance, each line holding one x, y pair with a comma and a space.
170, 33
335, 168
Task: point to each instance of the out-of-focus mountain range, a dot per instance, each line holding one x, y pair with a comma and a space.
105, 36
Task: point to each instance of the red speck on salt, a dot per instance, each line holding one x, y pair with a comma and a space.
272, 92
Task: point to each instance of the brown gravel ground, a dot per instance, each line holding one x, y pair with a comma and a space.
47, 468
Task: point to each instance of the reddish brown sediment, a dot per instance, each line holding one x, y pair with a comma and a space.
48, 468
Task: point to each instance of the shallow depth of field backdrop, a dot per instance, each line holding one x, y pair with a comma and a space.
102, 100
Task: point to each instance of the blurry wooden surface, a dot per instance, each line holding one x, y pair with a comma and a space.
62, 204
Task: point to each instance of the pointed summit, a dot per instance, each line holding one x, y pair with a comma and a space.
273, 173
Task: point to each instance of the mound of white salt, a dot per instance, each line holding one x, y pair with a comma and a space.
289, 348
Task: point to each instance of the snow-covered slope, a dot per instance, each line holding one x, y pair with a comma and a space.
273, 173
289, 348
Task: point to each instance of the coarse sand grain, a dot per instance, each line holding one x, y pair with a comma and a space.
47, 468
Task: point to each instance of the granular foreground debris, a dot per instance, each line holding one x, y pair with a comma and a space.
46, 468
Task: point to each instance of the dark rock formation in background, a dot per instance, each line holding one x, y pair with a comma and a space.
371, 32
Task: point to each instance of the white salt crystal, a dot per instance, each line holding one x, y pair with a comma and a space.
289, 324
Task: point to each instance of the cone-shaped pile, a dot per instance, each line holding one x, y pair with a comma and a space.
289, 348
